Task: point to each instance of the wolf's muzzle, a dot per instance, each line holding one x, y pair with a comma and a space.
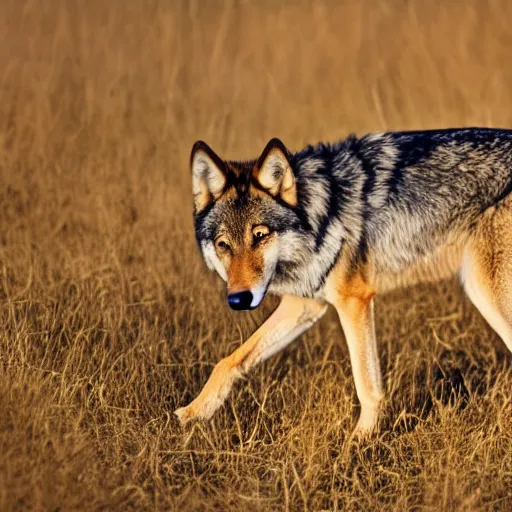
241, 300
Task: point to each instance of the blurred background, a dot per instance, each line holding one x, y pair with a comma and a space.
110, 320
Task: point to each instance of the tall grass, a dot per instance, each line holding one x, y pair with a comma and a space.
108, 318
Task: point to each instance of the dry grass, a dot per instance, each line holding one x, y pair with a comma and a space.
108, 318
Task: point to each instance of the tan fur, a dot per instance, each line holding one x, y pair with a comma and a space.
207, 185
284, 186
487, 269
245, 270
255, 191
202, 196
352, 296
230, 193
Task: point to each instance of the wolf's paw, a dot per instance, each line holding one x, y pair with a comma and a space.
362, 432
185, 414
202, 408
367, 424
212, 395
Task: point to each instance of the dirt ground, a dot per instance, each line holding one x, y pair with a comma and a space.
109, 319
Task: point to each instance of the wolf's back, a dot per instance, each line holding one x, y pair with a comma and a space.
473, 164
440, 182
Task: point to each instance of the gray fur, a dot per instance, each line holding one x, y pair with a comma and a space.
392, 198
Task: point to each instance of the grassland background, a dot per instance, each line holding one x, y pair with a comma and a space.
108, 317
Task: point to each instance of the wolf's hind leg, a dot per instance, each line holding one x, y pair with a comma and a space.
487, 269
292, 317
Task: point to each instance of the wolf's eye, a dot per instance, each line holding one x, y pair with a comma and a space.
260, 232
222, 244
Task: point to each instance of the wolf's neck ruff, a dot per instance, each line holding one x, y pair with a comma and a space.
339, 185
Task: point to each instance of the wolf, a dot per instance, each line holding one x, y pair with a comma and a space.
335, 224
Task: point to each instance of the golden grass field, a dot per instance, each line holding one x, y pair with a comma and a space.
109, 319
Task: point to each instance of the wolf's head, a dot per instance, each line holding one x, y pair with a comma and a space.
246, 219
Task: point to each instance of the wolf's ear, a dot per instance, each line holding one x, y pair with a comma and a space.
274, 172
208, 175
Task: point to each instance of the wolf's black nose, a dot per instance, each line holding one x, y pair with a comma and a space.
240, 300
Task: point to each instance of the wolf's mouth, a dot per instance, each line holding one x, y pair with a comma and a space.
258, 294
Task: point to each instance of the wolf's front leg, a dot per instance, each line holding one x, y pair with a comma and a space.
292, 317
356, 317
